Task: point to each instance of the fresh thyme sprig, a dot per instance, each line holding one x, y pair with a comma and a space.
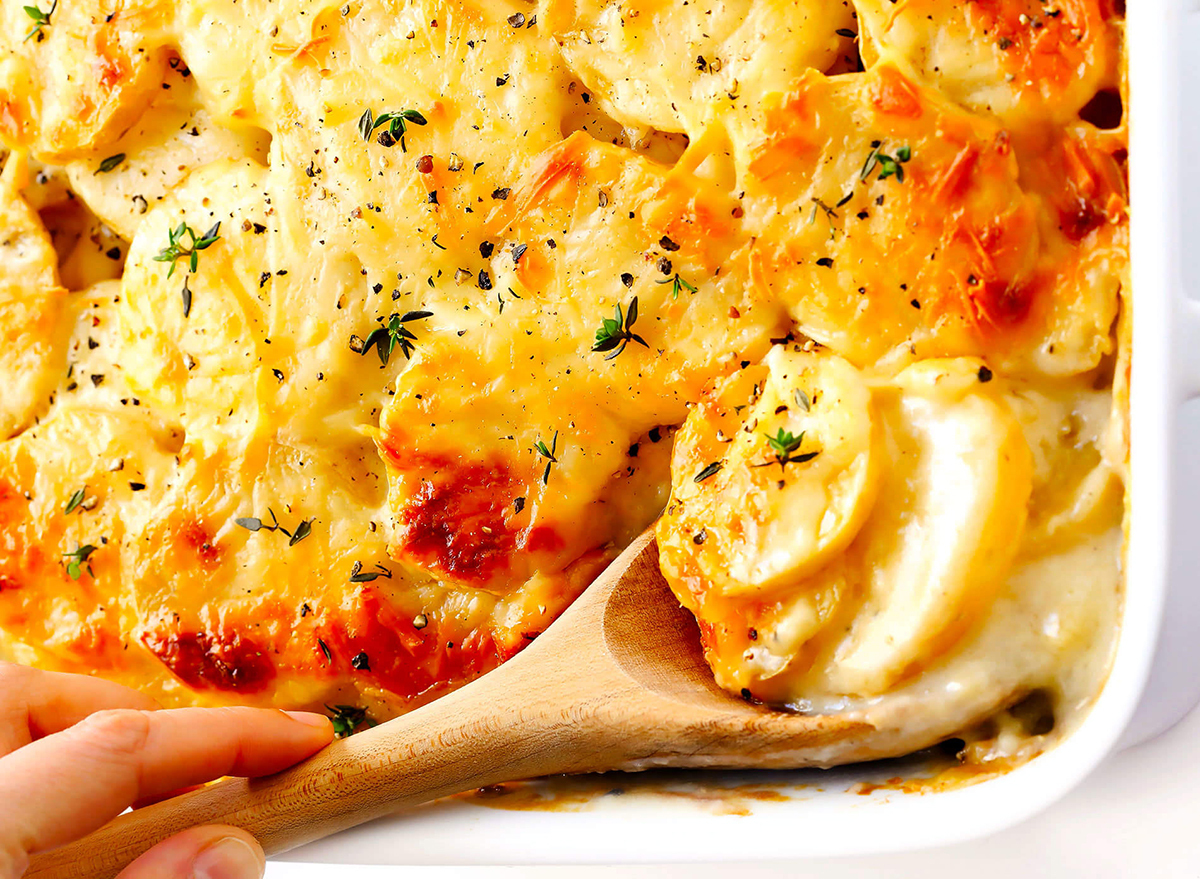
177, 249
615, 333
78, 560
888, 166
253, 524
783, 444
677, 283
549, 454
386, 338
397, 126
348, 719
40, 20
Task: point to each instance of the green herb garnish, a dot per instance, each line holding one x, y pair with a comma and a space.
549, 454
176, 248
358, 575
348, 719
397, 126
830, 215
110, 163
888, 166
783, 444
386, 338
254, 524
615, 333
75, 500
79, 561
40, 20
711, 470
677, 283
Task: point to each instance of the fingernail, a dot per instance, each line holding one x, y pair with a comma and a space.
308, 718
228, 858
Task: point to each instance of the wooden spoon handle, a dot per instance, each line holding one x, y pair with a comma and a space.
488, 732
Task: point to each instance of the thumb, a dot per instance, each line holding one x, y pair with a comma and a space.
214, 852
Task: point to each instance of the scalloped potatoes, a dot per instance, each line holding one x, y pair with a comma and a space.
347, 342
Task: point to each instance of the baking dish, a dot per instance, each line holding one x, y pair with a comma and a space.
821, 817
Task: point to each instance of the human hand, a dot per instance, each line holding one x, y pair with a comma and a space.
75, 751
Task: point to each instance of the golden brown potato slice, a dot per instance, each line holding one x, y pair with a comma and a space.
896, 226
901, 578
31, 305
1025, 61
670, 66
173, 136
72, 86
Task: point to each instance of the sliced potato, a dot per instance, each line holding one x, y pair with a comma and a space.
31, 304
795, 509
1022, 60
947, 526
842, 574
774, 473
72, 86
669, 66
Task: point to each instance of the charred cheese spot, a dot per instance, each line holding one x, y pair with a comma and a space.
457, 522
410, 662
198, 541
222, 660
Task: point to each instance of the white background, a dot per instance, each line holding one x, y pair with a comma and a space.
1138, 815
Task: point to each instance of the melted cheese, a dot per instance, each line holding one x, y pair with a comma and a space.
273, 512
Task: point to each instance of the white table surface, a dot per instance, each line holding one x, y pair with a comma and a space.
1137, 816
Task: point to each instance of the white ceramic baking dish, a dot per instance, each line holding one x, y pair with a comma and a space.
822, 818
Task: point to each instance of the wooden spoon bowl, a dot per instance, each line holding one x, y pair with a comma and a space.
617, 683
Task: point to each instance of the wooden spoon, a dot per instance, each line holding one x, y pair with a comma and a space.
618, 682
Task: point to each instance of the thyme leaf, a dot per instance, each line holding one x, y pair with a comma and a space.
887, 165
110, 163
177, 249
79, 560
784, 444
254, 524
617, 332
677, 283
348, 719
40, 20
549, 454
397, 126
75, 500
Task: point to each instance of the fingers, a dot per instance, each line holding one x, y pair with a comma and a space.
72, 782
201, 853
37, 703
